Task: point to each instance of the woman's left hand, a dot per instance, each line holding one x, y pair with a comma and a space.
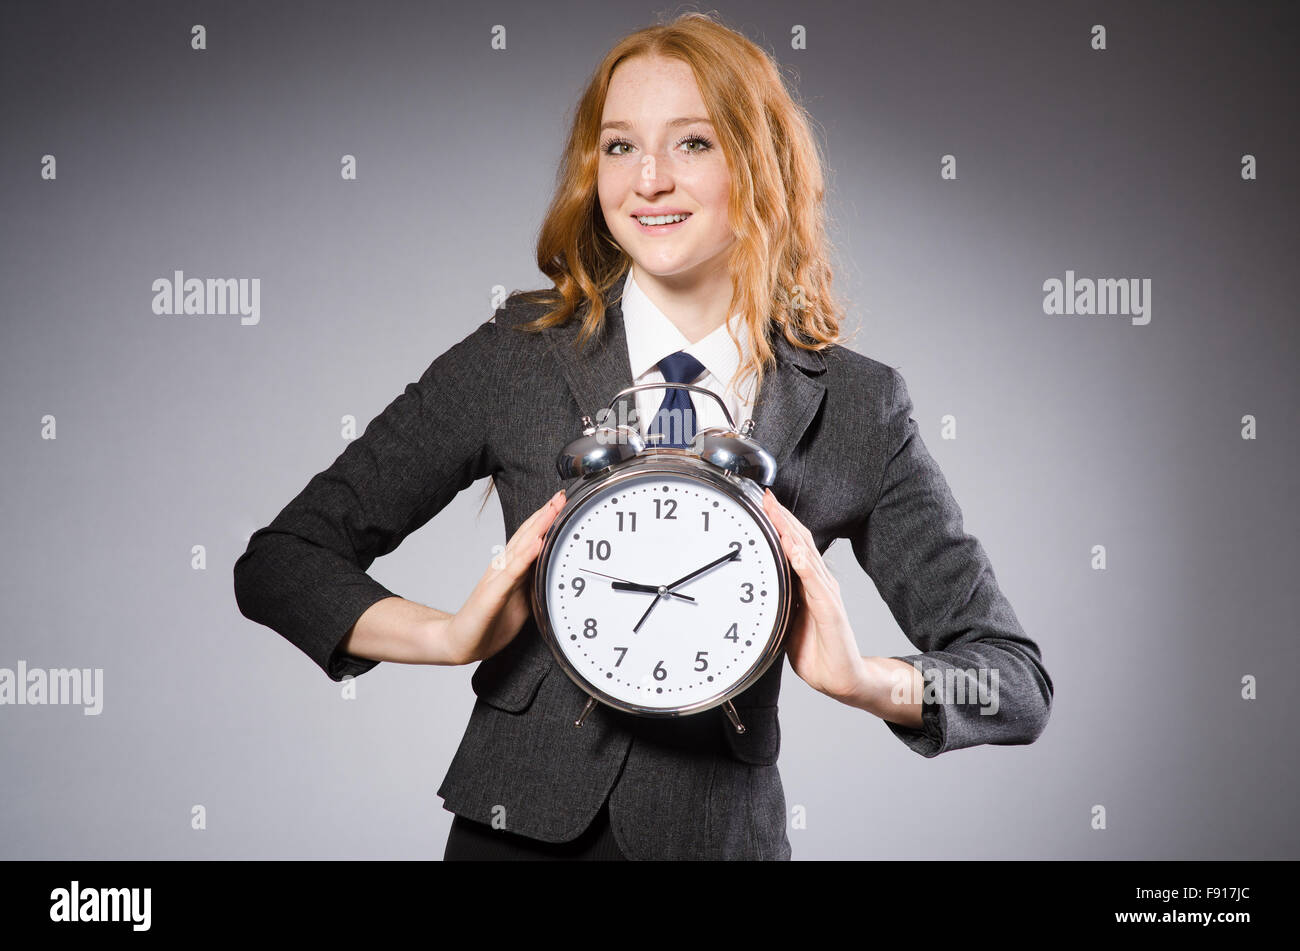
819, 639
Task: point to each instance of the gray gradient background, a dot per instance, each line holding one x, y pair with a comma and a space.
1072, 431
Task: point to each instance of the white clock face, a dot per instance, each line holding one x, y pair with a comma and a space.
682, 643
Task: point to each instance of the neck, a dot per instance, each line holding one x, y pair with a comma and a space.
696, 306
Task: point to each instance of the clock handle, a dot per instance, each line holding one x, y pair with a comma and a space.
731, 423
730, 710
731, 450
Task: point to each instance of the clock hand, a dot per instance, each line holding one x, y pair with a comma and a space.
648, 588
734, 554
633, 586
637, 626
667, 589
623, 585
603, 575
730, 556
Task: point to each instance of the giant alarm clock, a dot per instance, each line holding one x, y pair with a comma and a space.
661, 587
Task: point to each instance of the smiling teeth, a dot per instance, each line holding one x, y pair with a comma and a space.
662, 219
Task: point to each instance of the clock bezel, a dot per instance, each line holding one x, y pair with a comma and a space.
677, 463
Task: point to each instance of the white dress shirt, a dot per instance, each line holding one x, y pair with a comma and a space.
651, 336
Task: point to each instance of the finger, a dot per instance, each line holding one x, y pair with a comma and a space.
796, 526
552, 506
806, 577
795, 551
786, 524
510, 562
802, 547
802, 562
543, 514
539, 523
536, 524
781, 524
802, 534
546, 516
518, 556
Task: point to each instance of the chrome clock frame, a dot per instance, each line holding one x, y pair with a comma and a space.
682, 463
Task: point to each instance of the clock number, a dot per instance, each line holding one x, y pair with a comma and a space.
579, 586
700, 661
598, 549
668, 505
749, 590
706, 520
589, 627
620, 656
732, 634
660, 671
735, 545
631, 521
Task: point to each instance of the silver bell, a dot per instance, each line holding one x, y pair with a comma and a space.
599, 447
736, 453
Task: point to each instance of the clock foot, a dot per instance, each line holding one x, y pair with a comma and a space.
733, 716
591, 702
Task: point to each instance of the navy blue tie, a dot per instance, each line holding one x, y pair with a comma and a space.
676, 416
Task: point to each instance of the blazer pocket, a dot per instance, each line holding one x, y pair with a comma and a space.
509, 679
760, 744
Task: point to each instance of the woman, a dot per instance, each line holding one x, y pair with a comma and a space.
732, 291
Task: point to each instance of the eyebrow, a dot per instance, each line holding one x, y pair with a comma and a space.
684, 120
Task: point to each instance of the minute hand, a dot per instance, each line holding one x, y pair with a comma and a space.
729, 556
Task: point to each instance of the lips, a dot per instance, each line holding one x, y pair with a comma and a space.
661, 229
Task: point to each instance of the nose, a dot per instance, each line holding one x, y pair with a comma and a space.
655, 174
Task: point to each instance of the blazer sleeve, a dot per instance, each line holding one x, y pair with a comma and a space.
940, 587
304, 575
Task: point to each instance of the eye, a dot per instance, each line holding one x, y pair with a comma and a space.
611, 144
608, 146
705, 144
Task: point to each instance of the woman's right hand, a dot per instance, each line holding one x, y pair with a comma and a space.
500, 602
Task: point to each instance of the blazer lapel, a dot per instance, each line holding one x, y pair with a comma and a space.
787, 401
600, 370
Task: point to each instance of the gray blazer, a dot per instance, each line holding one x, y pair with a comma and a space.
503, 402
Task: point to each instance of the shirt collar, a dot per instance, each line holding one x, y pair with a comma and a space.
651, 336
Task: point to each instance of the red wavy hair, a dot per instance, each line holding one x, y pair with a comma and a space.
780, 260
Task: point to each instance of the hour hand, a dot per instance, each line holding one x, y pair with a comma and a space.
647, 588
621, 584
633, 586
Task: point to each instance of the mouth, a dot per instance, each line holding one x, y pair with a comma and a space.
661, 224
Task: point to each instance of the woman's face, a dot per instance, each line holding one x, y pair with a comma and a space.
651, 162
